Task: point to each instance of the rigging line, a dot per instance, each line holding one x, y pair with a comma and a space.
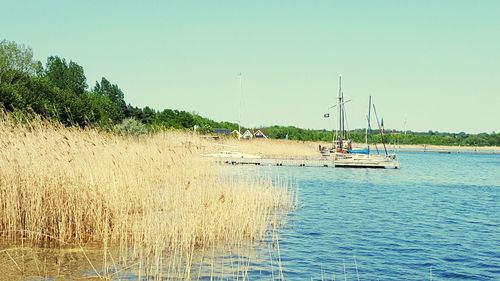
346, 125
380, 129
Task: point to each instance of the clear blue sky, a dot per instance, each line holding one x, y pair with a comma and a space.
434, 63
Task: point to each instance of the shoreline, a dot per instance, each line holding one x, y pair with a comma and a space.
295, 149
444, 148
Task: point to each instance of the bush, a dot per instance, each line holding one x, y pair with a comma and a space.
131, 126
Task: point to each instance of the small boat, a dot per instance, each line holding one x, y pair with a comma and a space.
232, 155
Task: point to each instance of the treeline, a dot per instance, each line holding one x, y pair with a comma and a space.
58, 90
438, 138
294, 133
390, 136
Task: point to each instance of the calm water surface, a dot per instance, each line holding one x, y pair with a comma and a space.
439, 213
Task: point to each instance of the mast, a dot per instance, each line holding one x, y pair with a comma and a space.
341, 109
368, 128
239, 113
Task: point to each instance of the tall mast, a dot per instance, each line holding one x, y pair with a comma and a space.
241, 97
368, 127
341, 120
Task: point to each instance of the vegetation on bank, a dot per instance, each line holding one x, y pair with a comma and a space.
58, 90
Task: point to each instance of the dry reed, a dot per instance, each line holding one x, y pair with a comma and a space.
146, 195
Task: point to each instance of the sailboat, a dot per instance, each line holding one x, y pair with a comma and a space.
341, 143
344, 155
364, 158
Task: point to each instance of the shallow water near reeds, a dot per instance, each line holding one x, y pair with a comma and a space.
437, 217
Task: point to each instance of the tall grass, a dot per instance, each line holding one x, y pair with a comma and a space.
147, 196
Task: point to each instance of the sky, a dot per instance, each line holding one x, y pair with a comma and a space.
428, 65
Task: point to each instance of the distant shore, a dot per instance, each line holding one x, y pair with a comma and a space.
440, 148
306, 149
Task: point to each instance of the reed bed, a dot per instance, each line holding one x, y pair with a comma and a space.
146, 196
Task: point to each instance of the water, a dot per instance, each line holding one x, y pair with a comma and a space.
439, 215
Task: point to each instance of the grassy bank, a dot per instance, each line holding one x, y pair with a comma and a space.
144, 197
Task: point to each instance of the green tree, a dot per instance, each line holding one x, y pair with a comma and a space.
16, 63
103, 111
148, 115
114, 94
112, 91
10, 97
134, 112
67, 77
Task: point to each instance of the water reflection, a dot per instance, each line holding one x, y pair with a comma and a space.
222, 262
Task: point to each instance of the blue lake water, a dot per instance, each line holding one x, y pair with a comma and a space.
439, 214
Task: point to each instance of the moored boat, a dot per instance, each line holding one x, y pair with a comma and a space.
354, 160
342, 153
341, 143
363, 158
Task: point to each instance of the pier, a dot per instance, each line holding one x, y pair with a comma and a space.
290, 162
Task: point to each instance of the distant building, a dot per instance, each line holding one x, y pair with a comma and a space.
259, 135
222, 131
236, 133
247, 135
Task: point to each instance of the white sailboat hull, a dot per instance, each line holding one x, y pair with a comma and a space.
366, 161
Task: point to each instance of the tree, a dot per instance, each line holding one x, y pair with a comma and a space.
77, 82
113, 93
16, 63
67, 77
134, 112
10, 97
149, 115
103, 111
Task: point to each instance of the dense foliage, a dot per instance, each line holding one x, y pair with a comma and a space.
59, 91
438, 138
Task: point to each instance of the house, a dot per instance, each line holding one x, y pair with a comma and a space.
236, 133
259, 135
247, 135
